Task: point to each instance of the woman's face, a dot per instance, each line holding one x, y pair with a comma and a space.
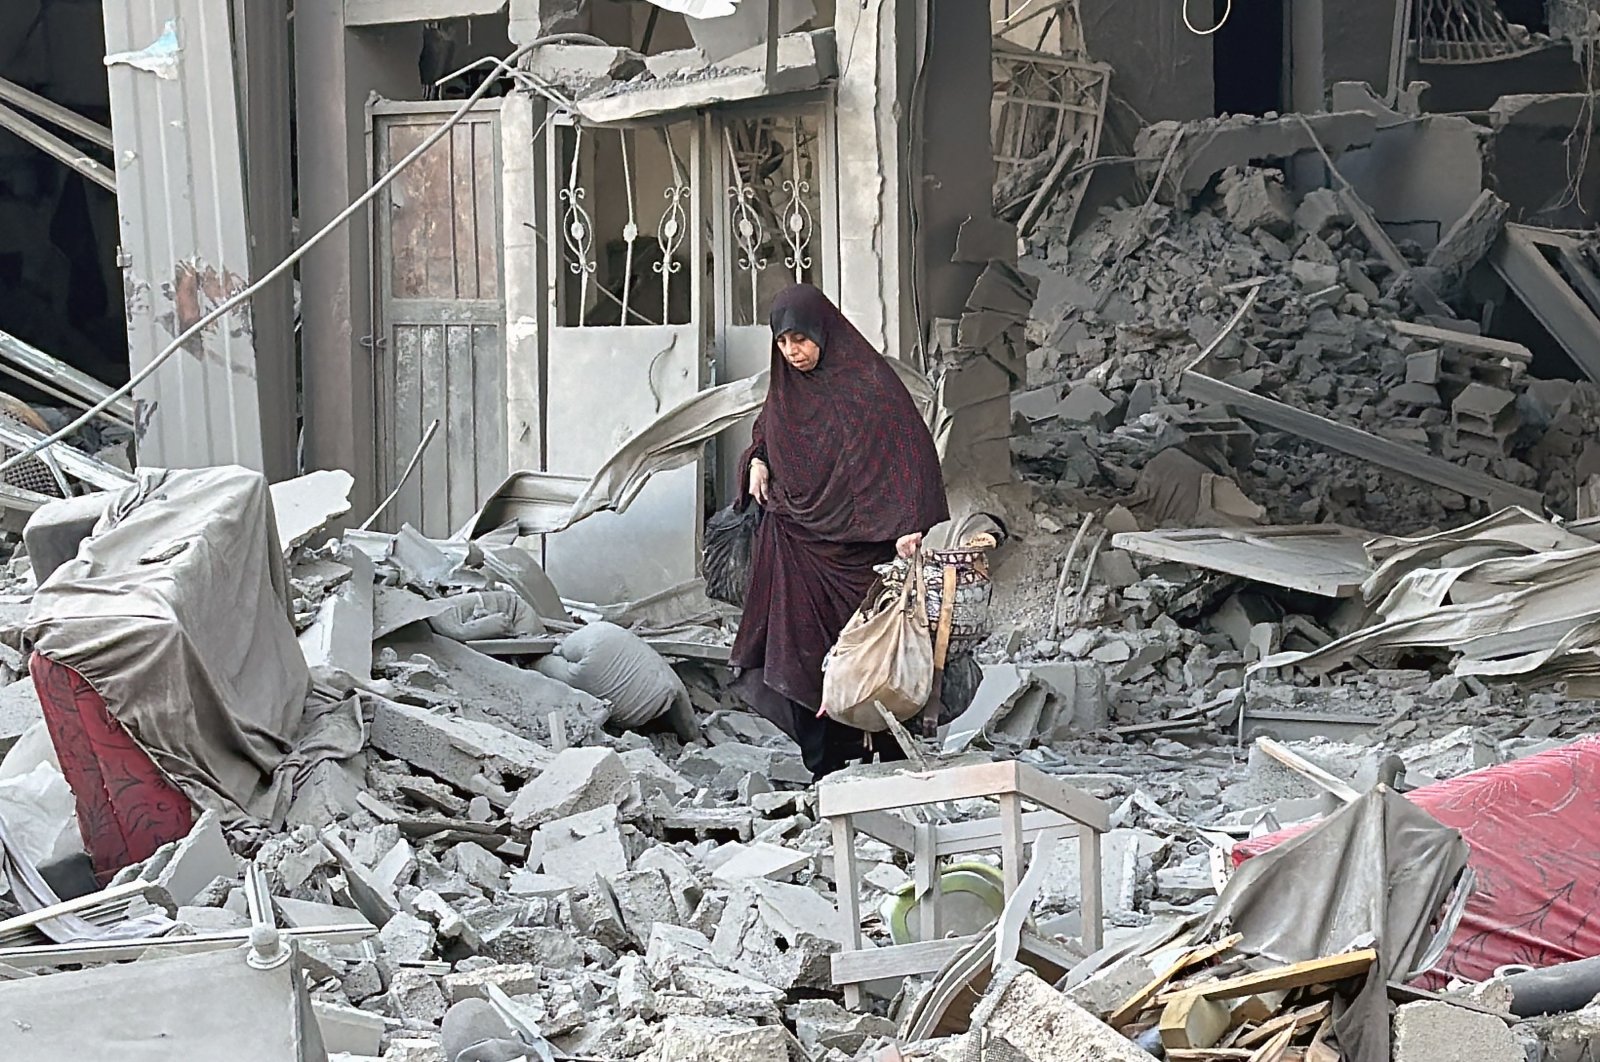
799, 351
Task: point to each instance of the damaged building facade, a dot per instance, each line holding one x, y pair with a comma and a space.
371, 369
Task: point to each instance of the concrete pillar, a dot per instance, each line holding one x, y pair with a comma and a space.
877, 42
335, 70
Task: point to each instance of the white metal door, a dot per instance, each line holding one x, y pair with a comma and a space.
626, 342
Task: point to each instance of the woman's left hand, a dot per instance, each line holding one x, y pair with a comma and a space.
908, 545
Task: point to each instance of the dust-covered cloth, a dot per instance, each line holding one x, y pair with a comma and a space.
176, 610
617, 666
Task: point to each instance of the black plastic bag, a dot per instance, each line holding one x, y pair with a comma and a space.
730, 540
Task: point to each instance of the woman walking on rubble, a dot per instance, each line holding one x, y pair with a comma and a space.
847, 475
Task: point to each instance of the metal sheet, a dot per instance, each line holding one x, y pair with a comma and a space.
210, 1006
1323, 559
604, 384
185, 234
442, 311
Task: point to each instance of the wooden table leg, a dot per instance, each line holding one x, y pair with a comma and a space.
844, 874
1011, 854
1090, 902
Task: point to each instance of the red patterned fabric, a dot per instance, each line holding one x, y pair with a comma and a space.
126, 807
1534, 829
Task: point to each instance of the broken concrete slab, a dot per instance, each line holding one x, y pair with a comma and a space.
1469, 240
703, 1039
338, 644
805, 61
542, 946
478, 865
1209, 147
513, 698
822, 1025
307, 504
1045, 1025
781, 934
645, 899
20, 710
407, 938
581, 847
1431, 1031
184, 868
737, 862
575, 781
459, 751
348, 1030
414, 996
514, 979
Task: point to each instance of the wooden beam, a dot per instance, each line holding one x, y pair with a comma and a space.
1136, 1003
1500, 348
1192, 1020
1327, 971
1406, 460
899, 960
1294, 1020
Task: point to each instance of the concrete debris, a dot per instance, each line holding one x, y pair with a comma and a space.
1437, 1032
1294, 434
1044, 1026
576, 781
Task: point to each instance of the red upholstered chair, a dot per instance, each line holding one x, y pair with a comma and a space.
127, 808
1533, 827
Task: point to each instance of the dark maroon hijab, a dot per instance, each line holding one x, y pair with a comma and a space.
851, 458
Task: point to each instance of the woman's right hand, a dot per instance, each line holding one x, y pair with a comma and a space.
760, 477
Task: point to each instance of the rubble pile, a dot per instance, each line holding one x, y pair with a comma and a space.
1125, 306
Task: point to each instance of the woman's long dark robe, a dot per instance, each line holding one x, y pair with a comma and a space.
853, 468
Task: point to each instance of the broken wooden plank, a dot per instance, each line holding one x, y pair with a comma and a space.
1500, 348
1136, 1003
1306, 769
1293, 1021
1192, 1020
1521, 263
1326, 971
1274, 1049
1357, 443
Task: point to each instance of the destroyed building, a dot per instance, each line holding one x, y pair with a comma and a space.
371, 369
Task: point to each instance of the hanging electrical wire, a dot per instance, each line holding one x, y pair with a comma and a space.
1227, 12
236, 300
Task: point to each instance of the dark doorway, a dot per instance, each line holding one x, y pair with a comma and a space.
1247, 55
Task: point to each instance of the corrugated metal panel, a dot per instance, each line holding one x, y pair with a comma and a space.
181, 201
442, 311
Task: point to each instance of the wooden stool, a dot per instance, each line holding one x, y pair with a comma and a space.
865, 805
